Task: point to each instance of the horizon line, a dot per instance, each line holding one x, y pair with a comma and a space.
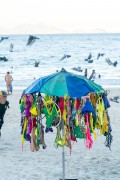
60, 33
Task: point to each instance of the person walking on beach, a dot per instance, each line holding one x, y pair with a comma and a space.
4, 104
85, 73
9, 79
92, 76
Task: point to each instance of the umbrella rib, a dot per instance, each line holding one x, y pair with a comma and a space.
46, 90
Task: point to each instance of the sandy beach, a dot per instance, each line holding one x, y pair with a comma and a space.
99, 163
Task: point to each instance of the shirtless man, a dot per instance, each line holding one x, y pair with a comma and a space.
9, 79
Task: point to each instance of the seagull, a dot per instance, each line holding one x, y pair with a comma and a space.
31, 40
3, 59
2, 38
36, 64
77, 69
65, 56
99, 55
115, 99
89, 57
110, 62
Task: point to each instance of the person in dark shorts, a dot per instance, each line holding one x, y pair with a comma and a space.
93, 75
4, 104
85, 73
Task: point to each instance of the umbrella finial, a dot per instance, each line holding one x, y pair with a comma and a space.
63, 70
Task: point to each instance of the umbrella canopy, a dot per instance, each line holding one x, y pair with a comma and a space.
64, 83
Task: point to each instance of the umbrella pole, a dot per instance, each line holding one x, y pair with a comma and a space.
63, 150
63, 163
63, 154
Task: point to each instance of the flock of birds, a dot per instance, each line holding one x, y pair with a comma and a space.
32, 39
89, 59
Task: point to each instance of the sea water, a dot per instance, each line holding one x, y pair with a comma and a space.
49, 49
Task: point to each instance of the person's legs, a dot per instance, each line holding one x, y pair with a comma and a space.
1, 123
10, 89
8, 85
7, 88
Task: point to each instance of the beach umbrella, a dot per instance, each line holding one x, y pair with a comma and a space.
64, 83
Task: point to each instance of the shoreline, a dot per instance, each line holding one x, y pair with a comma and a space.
17, 88
23, 84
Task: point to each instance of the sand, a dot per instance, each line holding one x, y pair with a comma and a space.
98, 163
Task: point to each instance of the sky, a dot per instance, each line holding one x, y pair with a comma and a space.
69, 15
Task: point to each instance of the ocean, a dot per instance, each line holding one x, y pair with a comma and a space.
49, 49
99, 163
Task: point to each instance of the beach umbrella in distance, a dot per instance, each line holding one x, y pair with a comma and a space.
64, 83
31, 40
